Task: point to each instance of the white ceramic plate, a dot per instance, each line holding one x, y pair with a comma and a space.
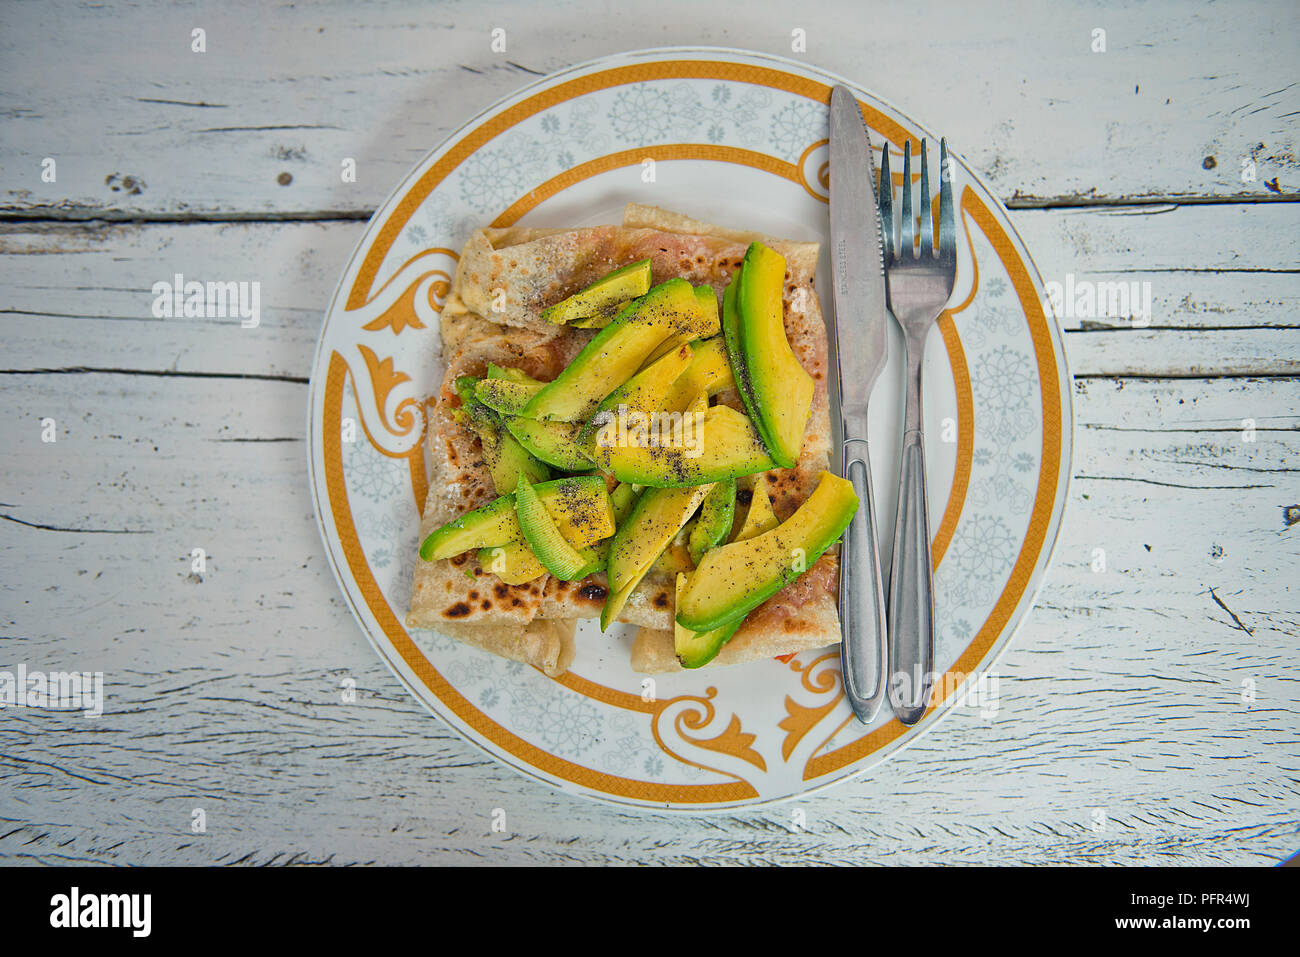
738, 139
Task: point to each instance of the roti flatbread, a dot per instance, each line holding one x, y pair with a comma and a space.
504, 279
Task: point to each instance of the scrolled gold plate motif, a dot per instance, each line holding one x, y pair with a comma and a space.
739, 139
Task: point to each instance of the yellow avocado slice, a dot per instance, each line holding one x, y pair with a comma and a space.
641, 393
734, 580
514, 562
506, 396
624, 283
545, 540
691, 449
781, 389
709, 372
708, 301
657, 518
618, 351
759, 517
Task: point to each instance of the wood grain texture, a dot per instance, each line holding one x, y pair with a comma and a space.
1122, 692
142, 126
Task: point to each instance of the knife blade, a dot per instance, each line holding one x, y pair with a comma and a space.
861, 348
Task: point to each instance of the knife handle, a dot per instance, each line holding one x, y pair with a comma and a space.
911, 591
864, 650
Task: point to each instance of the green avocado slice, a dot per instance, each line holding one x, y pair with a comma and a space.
731, 336
735, 579
580, 506
601, 319
623, 499
708, 300
506, 459
618, 351
658, 516
709, 372
493, 524
714, 521
695, 649
780, 388
544, 539
556, 443
626, 282
505, 396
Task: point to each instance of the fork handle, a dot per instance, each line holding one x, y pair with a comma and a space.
911, 594
864, 652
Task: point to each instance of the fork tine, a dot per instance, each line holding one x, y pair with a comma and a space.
908, 226
927, 220
885, 193
947, 226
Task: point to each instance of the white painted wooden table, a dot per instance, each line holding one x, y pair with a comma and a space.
1123, 690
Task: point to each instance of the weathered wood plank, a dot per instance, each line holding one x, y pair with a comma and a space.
78, 295
139, 125
1121, 692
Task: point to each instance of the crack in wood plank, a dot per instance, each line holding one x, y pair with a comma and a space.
1232, 614
163, 373
87, 531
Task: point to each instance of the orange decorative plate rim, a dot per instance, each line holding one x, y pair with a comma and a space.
408, 662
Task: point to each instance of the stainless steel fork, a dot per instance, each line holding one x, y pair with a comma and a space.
919, 283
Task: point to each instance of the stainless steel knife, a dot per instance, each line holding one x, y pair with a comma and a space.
861, 348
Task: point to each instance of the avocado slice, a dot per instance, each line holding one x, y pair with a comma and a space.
511, 374
759, 517
674, 559
781, 389
556, 443
735, 579
579, 505
505, 396
514, 562
493, 524
714, 521
642, 393
623, 498
601, 319
546, 542
709, 372
658, 516
626, 282
671, 344
708, 301
720, 444
506, 459
731, 336
697, 648
618, 351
